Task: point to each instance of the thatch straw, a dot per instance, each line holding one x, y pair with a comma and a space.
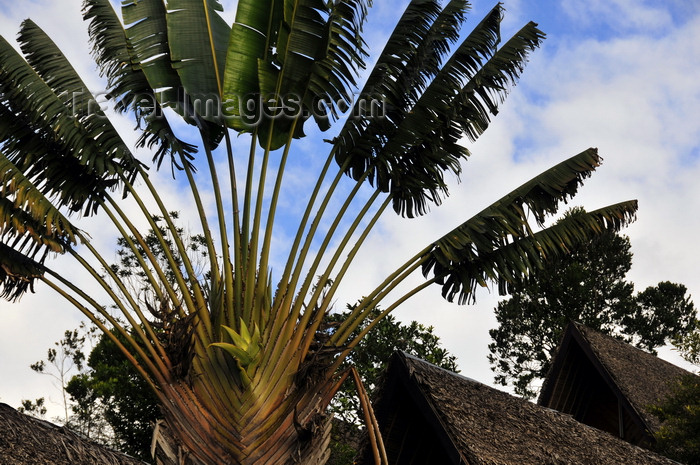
490, 427
25, 440
643, 378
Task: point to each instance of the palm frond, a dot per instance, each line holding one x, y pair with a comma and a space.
55, 70
128, 84
147, 35
146, 30
26, 212
427, 60
17, 273
426, 143
508, 218
320, 53
30, 227
407, 152
198, 40
490, 86
506, 222
342, 54
32, 109
360, 134
253, 35
513, 262
36, 154
298, 56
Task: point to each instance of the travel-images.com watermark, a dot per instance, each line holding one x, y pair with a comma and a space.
249, 110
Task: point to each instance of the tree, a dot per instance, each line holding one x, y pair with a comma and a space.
130, 409
65, 362
688, 344
34, 408
238, 360
586, 286
679, 435
126, 403
63, 359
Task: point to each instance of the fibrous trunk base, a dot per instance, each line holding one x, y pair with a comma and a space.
167, 450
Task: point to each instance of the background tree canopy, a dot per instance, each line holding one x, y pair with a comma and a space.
679, 435
587, 286
126, 403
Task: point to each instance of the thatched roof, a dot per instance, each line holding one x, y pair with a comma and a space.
474, 424
25, 440
637, 378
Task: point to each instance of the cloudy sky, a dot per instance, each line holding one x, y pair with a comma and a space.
619, 75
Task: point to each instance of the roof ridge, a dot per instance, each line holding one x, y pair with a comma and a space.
622, 343
458, 375
642, 377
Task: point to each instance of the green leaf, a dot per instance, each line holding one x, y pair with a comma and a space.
198, 39
246, 347
311, 48
147, 34
236, 352
129, 87
70, 163
252, 37
57, 72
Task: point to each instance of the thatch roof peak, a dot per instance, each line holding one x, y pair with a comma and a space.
638, 378
26, 440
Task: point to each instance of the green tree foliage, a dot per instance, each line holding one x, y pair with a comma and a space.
126, 403
35, 408
688, 344
61, 360
679, 435
586, 286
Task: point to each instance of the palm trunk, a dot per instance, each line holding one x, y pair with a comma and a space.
193, 436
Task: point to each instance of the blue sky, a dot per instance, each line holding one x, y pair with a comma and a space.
620, 75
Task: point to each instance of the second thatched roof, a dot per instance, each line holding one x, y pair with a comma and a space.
474, 424
637, 378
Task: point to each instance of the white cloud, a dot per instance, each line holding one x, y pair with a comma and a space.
622, 15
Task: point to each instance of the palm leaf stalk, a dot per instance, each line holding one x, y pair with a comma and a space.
241, 357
